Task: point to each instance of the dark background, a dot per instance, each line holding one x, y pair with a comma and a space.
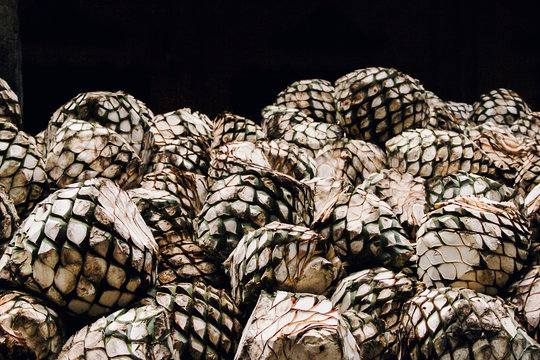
225, 56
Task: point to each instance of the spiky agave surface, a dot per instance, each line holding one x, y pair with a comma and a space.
326, 188
299, 326
527, 126
235, 157
528, 174
185, 154
313, 136
85, 248
10, 110
525, 295
281, 257
244, 202
364, 230
181, 123
429, 153
28, 325
501, 105
279, 155
205, 322
472, 242
140, 333
190, 188
82, 150
289, 159
230, 127
371, 301
22, 170
376, 104
118, 111
447, 115
180, 256
462, 183
276, 120
350, 159
9, 219
405, 194
314, 97
505, 151
459, 323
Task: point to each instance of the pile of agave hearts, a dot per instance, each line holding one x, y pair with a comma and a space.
362, 219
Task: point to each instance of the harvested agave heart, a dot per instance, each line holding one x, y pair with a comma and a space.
531, 210
139, 333
235, 157
505, 151
314, 97
296, 326
85, 248
364, 230
528, 175
376, 104
289, 159
185, 154
22, 171
229, 127
350, 159
244, 202
502, 106
29, 329
82, 150
472, 242
461, 183
278, 119
189, 187
527, 126
41, 145
205, 322
459, 323
371, 301
525, 296
279, 155
429, 153
447, 115
118, 111
313, 136
181, 258
10, 110
325, 189
9, 220
281, 257
405, 194
181, 123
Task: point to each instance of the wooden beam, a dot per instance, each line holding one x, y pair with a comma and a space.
10, 46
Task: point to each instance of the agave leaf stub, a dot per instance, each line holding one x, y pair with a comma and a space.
298, 326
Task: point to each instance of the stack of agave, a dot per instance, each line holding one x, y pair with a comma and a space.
365, 219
